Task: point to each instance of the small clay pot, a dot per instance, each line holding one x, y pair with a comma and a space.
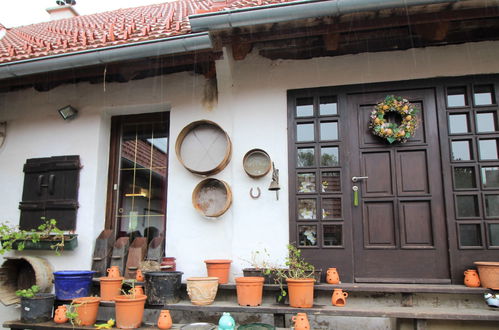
60, 314
332, 276
139, 276
471, 278
113, 272
165, 319
301, 321
339, 298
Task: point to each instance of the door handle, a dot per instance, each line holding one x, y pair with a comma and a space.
51, 183
357, 178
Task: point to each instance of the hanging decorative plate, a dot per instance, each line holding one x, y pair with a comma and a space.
203, 147
400, 129
256, 163
212, 197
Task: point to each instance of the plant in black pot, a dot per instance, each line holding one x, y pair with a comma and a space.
35, 306
260, 265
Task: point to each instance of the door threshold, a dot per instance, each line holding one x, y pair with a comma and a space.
403, 288
403, 280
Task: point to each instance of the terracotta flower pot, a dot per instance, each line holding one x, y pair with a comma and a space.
202, 290
129, 311
87, 309
219, 268
249, 290
301, 292
110, 287
489, 273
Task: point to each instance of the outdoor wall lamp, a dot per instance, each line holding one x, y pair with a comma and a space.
68, 112
3, 132
274, 185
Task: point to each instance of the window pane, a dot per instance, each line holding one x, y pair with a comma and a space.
464, 177
140, 209
494, 234
456, 97
461, 150
488, 149
485, 122
305, 107
305, 132
483, 95
490, 177
470, 235
492, 205
331, 208
306, 182
331, 182
329, 156
328, 106
467, 206
305, 157
307, 235
332, 235
307, 209
329, 131
458, 124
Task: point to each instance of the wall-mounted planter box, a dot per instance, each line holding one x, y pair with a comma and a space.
70, 243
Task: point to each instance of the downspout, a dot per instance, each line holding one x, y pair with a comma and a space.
150, 48
294, 11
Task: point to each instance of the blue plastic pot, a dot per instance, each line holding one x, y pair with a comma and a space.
70, 284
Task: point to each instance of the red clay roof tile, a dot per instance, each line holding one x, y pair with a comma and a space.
109, 28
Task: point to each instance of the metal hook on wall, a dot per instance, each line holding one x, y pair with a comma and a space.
258, 193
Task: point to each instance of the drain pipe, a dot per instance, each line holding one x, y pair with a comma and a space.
294, 11
150, 48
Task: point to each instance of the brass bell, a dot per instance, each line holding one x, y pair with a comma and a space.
274, 185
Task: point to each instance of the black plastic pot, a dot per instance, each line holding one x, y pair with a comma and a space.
163, 287
252, 272
37, 309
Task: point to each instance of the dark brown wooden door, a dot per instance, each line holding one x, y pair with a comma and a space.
399, 230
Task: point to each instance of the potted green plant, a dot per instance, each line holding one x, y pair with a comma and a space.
45, 237
299, 276
35, 306
129, 309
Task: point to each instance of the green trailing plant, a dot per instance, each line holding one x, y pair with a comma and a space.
297, 268
130, 293
72, 314
28, 293
12, 237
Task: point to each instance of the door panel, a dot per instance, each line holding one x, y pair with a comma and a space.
379, 225
417, 224
413, 173
400, 209
377, 166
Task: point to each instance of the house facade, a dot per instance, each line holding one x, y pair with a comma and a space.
298, 80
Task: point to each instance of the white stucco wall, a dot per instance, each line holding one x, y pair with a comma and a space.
251, 108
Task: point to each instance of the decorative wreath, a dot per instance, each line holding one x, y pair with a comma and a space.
392, 131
